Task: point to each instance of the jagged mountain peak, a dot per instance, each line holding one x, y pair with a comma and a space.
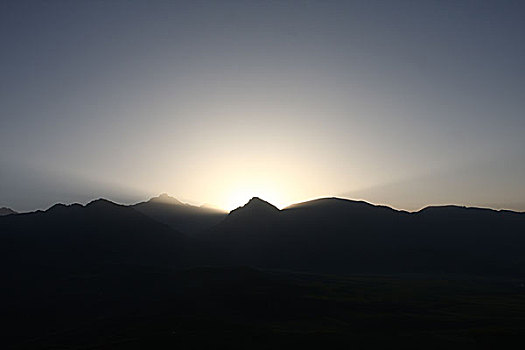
256, 205
256, 201
166, 199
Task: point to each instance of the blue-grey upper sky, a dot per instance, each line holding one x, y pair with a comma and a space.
405, 103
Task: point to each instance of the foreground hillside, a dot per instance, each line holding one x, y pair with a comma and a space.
327, 273
130, 307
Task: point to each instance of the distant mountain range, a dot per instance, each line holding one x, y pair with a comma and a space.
324, 235
344, 236
329, 273
180, 216
76, 236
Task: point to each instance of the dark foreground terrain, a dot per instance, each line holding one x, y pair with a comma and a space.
132, 307
329, 273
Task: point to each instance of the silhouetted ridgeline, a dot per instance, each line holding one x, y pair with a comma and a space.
108, 276
180, 216
343, 236
324, 235
102, 232
6, 211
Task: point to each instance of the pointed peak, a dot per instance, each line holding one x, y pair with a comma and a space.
57, 206
258, 201
166, 198
101, 202
257, 204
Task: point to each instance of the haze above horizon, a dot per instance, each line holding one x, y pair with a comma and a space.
402, 103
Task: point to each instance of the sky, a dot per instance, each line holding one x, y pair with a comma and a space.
403, 103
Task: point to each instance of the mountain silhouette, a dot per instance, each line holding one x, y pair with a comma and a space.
167, 199
182, 217
256, 210
7, 211
256, 205
345, 236
324, 235
102, 232
328, 272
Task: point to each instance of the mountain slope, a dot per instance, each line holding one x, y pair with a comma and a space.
255, 212
103, 276
326, 235
182, 217
338, 235
101, 232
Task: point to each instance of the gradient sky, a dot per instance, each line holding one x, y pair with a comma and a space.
405, 103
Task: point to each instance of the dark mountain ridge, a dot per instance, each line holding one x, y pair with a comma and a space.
324, 235
182, 217
107, 276
100, 232
255, 211
258, 205
7, 211
339, 235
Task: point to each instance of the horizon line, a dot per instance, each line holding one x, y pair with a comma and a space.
211, 206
